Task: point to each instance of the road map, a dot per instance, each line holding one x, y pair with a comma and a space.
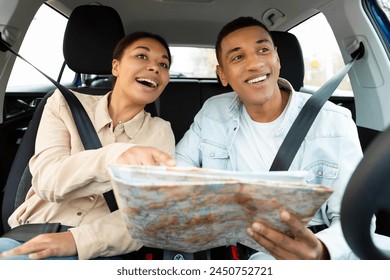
193, 209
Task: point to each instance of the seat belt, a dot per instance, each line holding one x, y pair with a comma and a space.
307, 115
83, 123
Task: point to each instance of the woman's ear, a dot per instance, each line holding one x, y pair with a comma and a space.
115, 65
221, 76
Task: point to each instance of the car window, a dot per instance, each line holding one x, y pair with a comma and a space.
322, 56
191, 62
379, 13
42, 46
385, 5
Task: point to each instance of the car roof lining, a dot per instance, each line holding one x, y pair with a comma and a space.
196, 16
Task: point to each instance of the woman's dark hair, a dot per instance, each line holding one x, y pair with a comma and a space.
234, 25
131, 38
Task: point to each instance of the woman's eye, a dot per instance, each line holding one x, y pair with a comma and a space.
164, 65
264, 50
142, 56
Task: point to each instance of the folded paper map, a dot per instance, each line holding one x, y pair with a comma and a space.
193, 209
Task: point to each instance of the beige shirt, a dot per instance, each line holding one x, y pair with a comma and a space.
68, 181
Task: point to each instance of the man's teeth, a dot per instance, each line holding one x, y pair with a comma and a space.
147, 82
258, 79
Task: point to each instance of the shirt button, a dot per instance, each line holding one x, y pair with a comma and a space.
91, 198
178, 257
20, 221
27, 222
212, 155
319, 173
79, 213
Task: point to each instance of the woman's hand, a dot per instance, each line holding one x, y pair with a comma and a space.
139, 155
46, 245
302, 244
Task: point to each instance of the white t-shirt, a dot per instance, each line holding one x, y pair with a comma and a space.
255, 144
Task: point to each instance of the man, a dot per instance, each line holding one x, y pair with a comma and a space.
244, 129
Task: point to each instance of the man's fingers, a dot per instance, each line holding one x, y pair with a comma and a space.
299, 243
298, 229
266, 237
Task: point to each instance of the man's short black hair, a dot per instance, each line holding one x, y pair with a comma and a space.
234, 25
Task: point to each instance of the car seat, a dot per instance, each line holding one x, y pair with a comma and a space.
90, 37
291, 58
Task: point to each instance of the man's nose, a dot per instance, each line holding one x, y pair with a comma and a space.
255, 62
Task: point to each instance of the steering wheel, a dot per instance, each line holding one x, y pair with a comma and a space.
367, 192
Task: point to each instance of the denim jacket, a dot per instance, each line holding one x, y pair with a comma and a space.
330, 152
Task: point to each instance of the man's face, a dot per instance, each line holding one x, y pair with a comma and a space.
250, 64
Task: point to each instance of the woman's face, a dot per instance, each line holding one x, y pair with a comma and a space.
142, 73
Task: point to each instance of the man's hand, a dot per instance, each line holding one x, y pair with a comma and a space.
302, 245
46, 245
139, 155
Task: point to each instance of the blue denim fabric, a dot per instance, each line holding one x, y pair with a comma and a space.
330, 152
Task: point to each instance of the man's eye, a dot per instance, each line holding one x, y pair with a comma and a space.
237, 57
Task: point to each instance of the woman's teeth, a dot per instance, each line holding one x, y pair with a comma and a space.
147, 82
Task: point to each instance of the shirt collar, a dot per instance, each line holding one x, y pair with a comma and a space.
103, 119
235, 106
292, 109
133, 126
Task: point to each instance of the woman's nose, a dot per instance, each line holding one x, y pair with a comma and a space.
153, 68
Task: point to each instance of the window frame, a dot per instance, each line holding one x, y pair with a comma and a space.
311, 88
56, 73
379, 21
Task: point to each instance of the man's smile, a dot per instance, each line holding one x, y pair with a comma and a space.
257, 79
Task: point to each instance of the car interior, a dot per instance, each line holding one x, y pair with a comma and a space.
93, 28
86, 27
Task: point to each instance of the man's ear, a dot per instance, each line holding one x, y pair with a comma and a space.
221, 76
277, 55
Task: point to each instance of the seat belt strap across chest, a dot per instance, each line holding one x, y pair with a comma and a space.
86, 130
307, 115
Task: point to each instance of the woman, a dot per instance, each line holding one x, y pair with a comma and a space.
68, 181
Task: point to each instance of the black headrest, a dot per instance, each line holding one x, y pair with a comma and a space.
90, 38
291, 58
